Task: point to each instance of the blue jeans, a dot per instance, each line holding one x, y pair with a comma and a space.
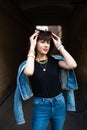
49, 109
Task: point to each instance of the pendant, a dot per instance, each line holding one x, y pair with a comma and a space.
44, 69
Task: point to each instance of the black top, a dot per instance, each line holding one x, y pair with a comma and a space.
46, 83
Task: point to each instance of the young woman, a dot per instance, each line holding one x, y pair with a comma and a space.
43, 72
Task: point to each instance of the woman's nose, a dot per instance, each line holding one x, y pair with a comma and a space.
46, 43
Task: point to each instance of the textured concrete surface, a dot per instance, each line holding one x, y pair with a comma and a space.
74, 121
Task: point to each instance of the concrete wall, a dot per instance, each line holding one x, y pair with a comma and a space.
14, 31
13, 45
77, 44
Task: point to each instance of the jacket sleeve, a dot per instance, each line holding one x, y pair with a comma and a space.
22, 92
72, 81
67, 77
68, 80
18, 111
70, 100
69, 83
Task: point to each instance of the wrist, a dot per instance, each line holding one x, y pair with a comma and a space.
59, 47
31, 55
31, 52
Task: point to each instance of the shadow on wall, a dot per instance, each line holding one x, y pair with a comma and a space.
13, 35
78, 47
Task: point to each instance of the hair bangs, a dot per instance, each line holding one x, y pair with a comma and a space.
44, 35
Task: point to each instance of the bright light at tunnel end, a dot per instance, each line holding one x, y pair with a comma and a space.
45, 28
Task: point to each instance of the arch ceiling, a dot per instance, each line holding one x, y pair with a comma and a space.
48, 12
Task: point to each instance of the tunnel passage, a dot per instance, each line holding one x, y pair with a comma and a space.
18, 19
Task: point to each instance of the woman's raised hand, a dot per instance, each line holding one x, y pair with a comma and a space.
57, 41
33, 40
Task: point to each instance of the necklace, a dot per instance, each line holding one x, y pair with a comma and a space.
43, 64
43, 61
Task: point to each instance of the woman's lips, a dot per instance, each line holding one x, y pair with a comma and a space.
45, 49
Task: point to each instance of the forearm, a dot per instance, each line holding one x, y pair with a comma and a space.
29, 67
69, 61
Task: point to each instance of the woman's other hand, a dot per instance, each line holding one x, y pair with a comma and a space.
57, 41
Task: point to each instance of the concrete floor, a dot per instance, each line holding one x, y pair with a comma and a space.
74, 121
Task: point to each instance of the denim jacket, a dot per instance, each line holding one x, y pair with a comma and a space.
23, 90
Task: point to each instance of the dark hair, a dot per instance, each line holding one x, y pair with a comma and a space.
46, 36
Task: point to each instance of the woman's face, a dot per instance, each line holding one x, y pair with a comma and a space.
43, 47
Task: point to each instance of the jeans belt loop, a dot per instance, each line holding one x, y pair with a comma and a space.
56, 98
43, 99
